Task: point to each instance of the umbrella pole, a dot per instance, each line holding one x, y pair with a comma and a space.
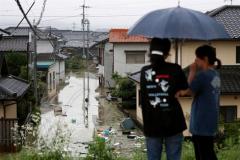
176, 51
181, 57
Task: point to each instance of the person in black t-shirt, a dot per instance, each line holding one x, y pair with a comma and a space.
163, 119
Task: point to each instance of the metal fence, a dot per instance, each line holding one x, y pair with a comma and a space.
6, 135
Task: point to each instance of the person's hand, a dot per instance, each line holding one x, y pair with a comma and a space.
192, 72
179, 94
183, 93
193, 67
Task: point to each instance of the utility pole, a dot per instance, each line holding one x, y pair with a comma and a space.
85, 54
35, 63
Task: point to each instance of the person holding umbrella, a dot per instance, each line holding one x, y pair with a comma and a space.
205, 87
178, 24
163, 118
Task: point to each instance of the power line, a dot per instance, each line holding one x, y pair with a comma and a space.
29, 5
26, 18
41, 14
23, 17
120, 15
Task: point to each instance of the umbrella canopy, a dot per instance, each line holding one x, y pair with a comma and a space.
179, 23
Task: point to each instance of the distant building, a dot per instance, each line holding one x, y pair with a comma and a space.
130, 53
122, 54
74, 40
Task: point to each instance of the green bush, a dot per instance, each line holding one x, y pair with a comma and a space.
100, 151
15, 67
125, 89
75, 62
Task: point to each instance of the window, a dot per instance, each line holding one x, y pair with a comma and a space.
228, 114
135, 57
238, 54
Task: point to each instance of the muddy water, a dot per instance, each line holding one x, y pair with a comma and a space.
71, 123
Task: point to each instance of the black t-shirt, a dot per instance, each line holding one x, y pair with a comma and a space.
162, 113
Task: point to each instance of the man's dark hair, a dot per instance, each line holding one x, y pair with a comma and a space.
162, 45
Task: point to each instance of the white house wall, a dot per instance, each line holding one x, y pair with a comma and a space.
226, 51
52, 84
120, 64
44, 46
60, 70
108, 64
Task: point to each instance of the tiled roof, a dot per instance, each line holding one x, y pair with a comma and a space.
8, 44
121, 36
45, 57
229, 74
50, 57
21, 31
24, 32
75, 38
229, 17
230, 79
12, 88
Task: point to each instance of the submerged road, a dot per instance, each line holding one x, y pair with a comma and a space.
71, 123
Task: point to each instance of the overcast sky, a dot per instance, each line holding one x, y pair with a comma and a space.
103, 14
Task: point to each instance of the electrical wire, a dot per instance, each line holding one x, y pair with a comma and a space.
26, 18
23, 18
41, 15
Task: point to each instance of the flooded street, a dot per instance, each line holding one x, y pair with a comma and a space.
71, 120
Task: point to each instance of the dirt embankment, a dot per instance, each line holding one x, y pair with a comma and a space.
111, 116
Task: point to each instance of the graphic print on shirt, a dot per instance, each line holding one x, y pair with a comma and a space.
216, 84
164, 85
155, 102
148, 75
158, 86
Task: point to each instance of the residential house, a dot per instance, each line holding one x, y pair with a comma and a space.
130, 53
229, 100
53, 65
228, 51
49, 57
122, 54
12, 90
104, 61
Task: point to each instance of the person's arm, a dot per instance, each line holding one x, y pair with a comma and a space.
192, 72
191, 77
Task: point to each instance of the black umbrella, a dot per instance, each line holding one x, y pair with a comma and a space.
179, 23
